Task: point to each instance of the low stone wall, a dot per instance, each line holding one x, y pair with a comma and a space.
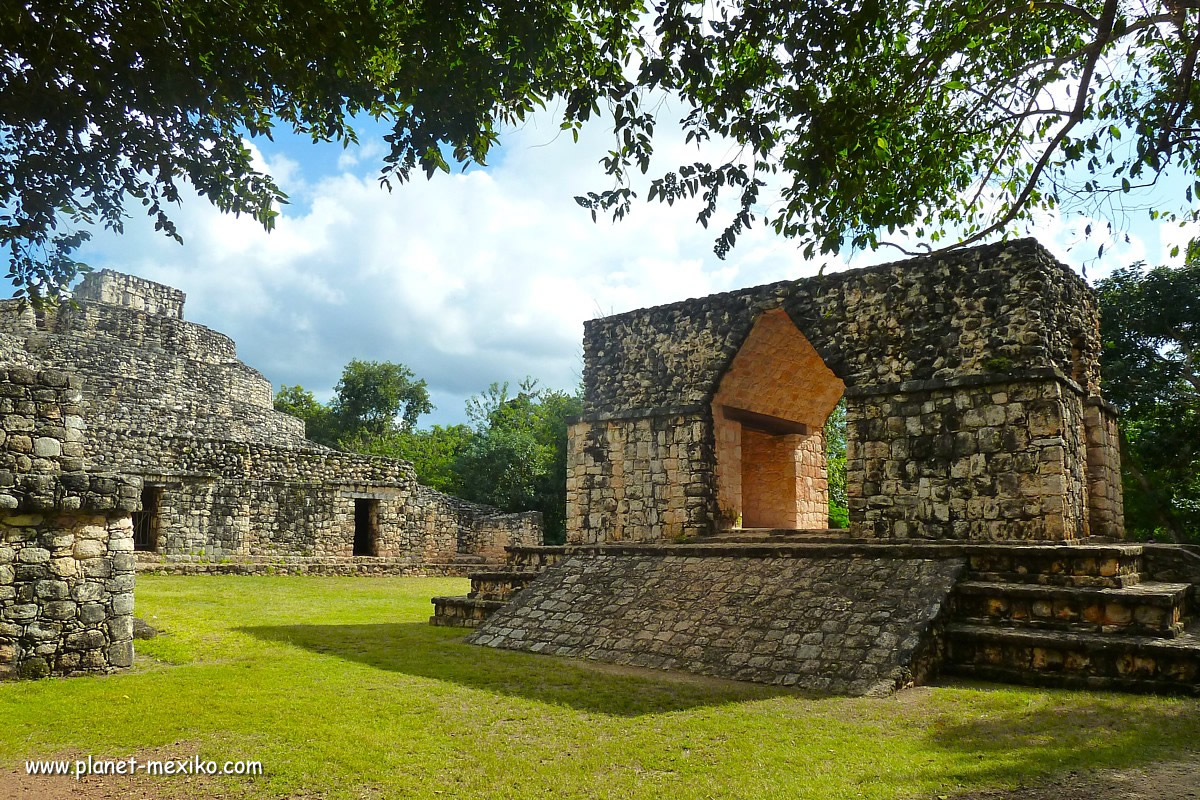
301, 566
487, 533
66, 594
1174, 563
843, 624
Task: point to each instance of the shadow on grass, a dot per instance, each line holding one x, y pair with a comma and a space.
1075, 730
421, 650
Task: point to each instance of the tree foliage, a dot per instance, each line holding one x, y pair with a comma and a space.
951, 120
434, 452
518, 457
835, 466
375, 398
319, 424
373, 401
1151, 364
103, 103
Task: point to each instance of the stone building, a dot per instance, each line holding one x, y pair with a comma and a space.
225, 475
126, 428
973, 411
983, 480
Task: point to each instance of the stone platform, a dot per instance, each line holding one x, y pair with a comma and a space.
857, 616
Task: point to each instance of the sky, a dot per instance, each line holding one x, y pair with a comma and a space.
476, 277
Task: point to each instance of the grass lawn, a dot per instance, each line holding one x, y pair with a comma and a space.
342, 690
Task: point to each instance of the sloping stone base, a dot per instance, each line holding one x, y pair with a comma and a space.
843, 624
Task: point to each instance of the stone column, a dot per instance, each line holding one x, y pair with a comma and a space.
66, 594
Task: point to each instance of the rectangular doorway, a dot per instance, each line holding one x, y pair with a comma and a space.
146, 522
366, 527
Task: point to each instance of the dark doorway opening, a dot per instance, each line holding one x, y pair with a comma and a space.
366, 527
145, 522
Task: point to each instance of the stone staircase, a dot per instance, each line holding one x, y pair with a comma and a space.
492, 588
1082, 616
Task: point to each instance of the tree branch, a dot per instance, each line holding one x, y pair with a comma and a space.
1107, 18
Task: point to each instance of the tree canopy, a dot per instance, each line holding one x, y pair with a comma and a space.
372, 400
104, 103
1150, 327
950, 121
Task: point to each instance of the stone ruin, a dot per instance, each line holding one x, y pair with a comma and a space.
983, 481
131, 439
66, 538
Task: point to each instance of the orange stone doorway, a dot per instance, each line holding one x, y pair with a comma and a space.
769, 414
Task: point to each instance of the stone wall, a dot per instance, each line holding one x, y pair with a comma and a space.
783, 483
851, 625
991, 458
966, 377
639, 478
927, 318
66, 593
1106, 505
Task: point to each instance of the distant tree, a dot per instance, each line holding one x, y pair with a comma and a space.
435, 453
1150, 327
835, 466
373, 403
376, 398
319, 424
517, 459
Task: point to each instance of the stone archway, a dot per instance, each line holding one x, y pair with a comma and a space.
769, 413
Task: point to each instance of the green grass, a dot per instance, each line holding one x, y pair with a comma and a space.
340, 688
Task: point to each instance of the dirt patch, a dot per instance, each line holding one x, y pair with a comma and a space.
16, 784
1166, 780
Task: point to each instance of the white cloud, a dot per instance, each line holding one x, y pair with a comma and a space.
468, 278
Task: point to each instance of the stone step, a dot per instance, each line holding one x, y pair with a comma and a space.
1150, 609
776, 535
1074, 659
1098, 565
500, 584
462, 612
534, 557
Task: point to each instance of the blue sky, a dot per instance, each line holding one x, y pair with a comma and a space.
477, 277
